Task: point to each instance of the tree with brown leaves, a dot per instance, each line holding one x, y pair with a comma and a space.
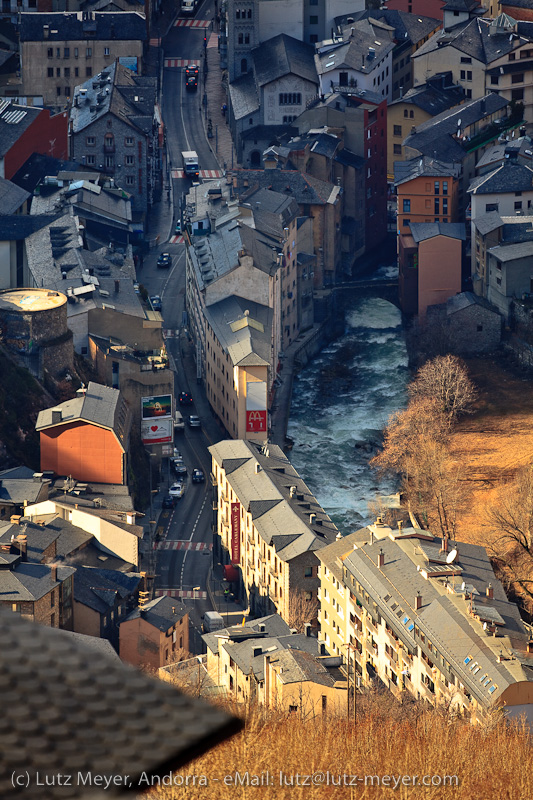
445, 380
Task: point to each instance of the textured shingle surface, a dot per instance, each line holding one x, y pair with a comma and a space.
72, 714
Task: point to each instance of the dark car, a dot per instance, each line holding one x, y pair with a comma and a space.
191, 83
198, 476
185, 399
168, 502
192, 70
156, 302
164, 261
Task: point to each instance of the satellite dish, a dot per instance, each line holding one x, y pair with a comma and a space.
452, 555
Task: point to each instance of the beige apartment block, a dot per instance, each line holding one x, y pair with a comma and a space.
428, 617
269, 527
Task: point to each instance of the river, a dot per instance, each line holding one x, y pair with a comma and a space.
340, 404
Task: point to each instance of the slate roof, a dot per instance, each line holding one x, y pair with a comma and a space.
465, 300
11, 197
70, 26
136, 726
38, 538
38, 166
272, 626
17, 227
299, 666
98, 588
415, 26
421, 231
99, 405
434, 96
248, 344
508, 177
161, 612
474, 38
304, 188
283, 55
243, 96
361, 52
405, 171
18, 490
349, 159
289, 516
509, 251
488, 222
29, 581
437, 135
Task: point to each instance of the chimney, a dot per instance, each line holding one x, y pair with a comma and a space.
418, 601
57, 415
444, 548
490, 591
307, 628
257, 468
46, 31
22, 542
312, 518
262, 627
292, 491
400, 526
381, 558
53, 573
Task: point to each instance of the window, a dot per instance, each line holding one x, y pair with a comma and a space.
494, 80
244, 66
308, 572
130, 161
406, 206
106, 51
517, 94
518, 77
76, 72
313, 38
50, 72
58, 91
397, 149
397, 130
444, 205
240, 38
436, 210
437, 187
444, 187
90, 140
58, 52
90, 160
491, 207
88, 72
465, 60
246, 38
290, 98
50, 52
88, 52
110, 162
518, 205
58, 72
512, 56
130, 180
76, 52
468, 93
313, 20
406, 222
66, 52
66, 72
67, 91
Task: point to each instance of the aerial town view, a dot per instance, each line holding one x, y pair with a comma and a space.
266, 399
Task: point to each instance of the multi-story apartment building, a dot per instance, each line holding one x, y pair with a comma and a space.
426, 618
269, 527
427, 190
115, 129
59, 51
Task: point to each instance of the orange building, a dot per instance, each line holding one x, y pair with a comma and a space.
156, 634
430, 265
87, 437
517, 9
428, 191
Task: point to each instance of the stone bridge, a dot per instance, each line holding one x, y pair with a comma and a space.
385, 288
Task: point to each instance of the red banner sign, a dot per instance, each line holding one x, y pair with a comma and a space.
256, 421
235, 533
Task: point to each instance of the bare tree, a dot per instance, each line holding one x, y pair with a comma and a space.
302, 609
445, 380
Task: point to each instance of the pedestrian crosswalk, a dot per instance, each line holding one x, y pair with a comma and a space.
192, 23
183, 594
179, 63
154, 42
177, 239
181, 544
178, 174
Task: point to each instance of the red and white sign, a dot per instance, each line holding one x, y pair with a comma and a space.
256, 421
235, 533
157, 431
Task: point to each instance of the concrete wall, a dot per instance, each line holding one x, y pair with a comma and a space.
86, 452
143, 645
439, 271
276, 113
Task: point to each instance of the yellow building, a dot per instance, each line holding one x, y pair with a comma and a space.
428, 618
269, 527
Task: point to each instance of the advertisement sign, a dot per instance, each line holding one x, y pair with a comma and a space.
157, 431
256, 404
130, 62
156, 407
235, 533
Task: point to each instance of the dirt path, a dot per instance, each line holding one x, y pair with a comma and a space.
494, 442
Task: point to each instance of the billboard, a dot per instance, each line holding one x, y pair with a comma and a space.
156, 407
157, 431
256, 403
235, 533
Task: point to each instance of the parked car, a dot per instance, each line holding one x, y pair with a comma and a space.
136, 288
156, 302
177, 490
184, 399
180, 469
194, 421
168, 501
164, 261
198, 476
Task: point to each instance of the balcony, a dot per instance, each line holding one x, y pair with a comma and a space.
491, 132
109, 147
